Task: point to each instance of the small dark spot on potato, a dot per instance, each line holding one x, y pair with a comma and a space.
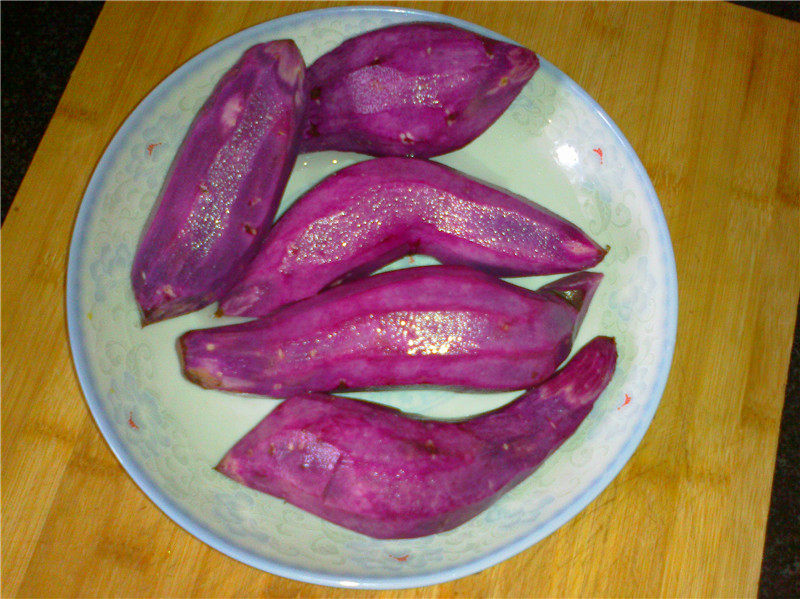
315, 93
430, 447
312, 131
376, 61
250, 230
573, 297
488, 47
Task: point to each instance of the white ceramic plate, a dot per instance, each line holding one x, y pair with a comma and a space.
554, 145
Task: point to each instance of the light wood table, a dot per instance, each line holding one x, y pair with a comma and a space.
706, 93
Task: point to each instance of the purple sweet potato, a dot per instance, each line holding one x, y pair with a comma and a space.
370, 213
224, 185
448, 326
417, 89
382, 473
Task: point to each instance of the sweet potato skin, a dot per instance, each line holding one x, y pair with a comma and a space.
436, 325
224, 185
368, 214
416, 89
382, 473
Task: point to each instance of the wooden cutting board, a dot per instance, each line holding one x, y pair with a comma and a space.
707, 94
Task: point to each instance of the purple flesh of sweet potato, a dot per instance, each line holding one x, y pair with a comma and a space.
382, 473
368, 214
224, 185
417, 89
447, 326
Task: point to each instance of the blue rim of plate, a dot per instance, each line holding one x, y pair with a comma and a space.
197, 529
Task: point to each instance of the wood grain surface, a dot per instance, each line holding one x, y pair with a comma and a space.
707, 94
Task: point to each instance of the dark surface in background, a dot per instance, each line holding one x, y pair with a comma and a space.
780, 568
42, 41
787, 10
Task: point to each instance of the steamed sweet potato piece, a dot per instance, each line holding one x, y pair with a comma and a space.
368, 214
416, 89
436, 325
224, 185
382, 473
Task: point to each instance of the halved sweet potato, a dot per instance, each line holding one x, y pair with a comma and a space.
437, 325
368, 214
416, 89
224, 185
382, 473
